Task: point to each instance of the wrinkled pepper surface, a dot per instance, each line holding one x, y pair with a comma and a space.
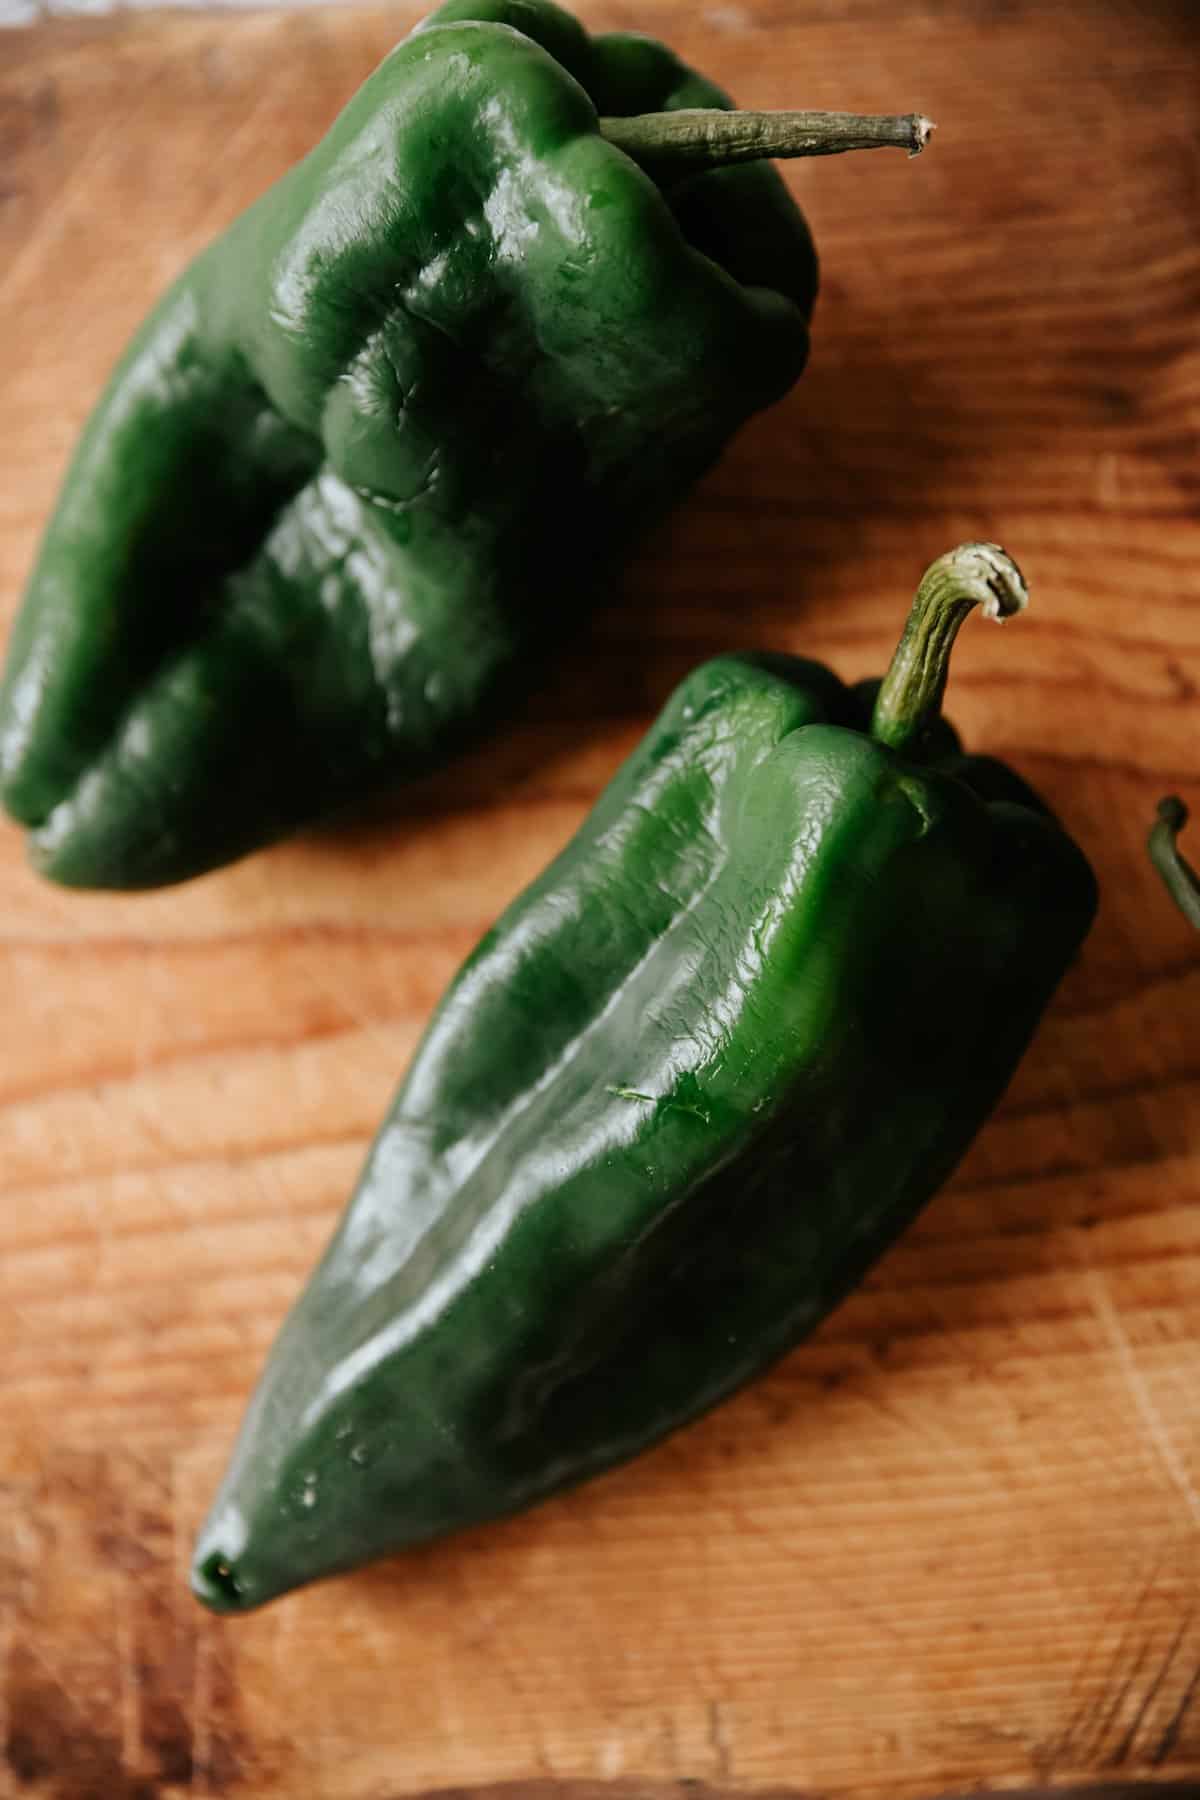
699, 1075
381, 438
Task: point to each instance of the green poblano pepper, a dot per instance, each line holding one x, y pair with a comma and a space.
700, 1074
380, 437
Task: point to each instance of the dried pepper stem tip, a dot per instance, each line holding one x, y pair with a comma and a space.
1181, 881
910, 698
696, 138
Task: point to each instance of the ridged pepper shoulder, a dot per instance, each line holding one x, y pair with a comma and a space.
380, 440
699, 1075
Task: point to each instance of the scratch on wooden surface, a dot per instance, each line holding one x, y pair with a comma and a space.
978, 1367
379, 1033
720, 1736
612, 1755
1088, 1733
877, 1394
88, 171
245, 132
1170, 1737
733, 19
127, 1679
202, 1707
1140, 1394
96, 1220
49, 1721
1126, 1746
843, 1593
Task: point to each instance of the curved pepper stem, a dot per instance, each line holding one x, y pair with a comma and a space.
1179, 878
910, 698
697, 138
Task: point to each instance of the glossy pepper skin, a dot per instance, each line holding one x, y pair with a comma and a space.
380, 440
699, 1075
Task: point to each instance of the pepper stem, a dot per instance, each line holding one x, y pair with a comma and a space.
1179, 878
910, 697
695, 138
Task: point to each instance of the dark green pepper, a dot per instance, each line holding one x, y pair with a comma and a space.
384, 435
1179, 878
700, 1074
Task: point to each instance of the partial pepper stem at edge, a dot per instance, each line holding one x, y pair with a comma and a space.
1179, 878
691, 139
910, 697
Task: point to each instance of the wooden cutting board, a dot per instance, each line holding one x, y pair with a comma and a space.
955, 1539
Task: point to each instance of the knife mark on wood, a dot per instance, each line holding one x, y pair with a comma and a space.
102, 1708
1167, 1743
1126, 1746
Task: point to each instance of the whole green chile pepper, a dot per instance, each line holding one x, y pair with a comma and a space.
700, 1074
1179, 878
381, 438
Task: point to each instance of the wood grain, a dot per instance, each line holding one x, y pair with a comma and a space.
955, 1539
